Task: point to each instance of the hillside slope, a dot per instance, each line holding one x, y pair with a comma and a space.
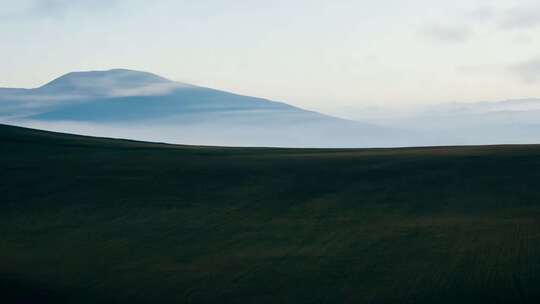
87, 220
143, 106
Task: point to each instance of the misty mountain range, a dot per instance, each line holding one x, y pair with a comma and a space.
143, 106
501, 122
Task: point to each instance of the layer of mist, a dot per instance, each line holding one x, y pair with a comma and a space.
143, 106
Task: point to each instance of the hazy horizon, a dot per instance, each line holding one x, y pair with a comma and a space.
282, 151
332, 57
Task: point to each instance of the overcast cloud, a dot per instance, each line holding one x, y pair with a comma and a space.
521, 17
528, 71
310, 53
53, 8
455, 33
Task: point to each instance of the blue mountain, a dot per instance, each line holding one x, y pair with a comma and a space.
142, 103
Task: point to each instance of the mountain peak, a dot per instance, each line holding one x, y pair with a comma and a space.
115, 82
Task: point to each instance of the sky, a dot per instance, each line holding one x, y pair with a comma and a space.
323, 55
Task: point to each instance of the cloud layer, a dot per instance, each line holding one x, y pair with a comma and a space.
56, 8
449, 33
528, 71
520, 17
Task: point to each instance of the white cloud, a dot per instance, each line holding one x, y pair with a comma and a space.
482, 13
528, 71
55, 8
521, 17
518, 17
449, 33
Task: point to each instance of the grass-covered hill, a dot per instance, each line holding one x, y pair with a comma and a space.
91, 220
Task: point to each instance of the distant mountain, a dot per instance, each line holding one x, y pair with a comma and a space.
141, 105
84, 88
500, 122
509, 121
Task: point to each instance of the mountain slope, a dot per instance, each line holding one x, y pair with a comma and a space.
94, 220
139, 105
79, 92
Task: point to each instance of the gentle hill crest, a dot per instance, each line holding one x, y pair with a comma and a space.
94, 220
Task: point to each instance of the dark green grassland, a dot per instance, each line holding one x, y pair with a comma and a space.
89, 220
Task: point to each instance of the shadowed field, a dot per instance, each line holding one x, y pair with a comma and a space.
88, 220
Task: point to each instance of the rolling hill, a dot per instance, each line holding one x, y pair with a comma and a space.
95, 220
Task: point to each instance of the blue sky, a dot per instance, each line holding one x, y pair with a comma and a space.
323, 55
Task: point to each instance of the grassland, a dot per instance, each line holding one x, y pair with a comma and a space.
89, 220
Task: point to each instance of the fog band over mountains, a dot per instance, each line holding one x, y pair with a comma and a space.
143, 106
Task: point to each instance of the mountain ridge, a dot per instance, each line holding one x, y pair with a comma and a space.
119, 101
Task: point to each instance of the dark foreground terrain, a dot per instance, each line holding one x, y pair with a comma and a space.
89, 220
